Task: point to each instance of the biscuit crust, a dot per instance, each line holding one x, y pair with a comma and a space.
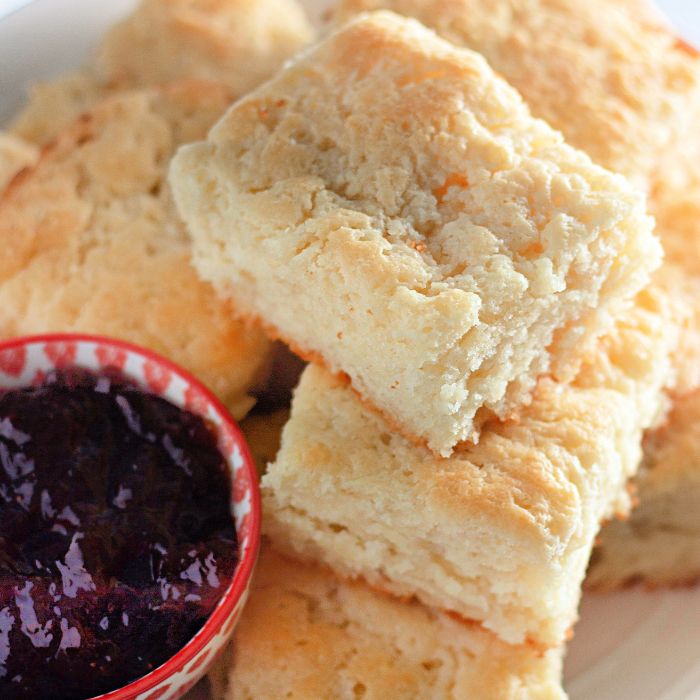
621, 85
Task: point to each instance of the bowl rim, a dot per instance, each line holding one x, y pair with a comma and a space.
244, 568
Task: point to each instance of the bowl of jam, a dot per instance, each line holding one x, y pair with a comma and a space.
129, 522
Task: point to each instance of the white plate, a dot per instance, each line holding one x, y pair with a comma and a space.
628, 646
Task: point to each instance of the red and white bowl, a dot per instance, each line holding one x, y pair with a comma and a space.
25, 361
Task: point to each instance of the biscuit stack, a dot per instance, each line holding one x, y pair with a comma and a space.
622, 86
487, 349
453, 227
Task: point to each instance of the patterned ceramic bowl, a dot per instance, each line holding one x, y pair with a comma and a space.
25, 361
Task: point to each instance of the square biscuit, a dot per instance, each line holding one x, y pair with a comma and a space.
387, 205
91, 241
611, 75
502, 531
306, 635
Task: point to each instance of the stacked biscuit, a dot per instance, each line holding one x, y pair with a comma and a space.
487, 350
622, 87
490, 326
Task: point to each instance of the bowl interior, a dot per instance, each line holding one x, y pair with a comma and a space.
26, 361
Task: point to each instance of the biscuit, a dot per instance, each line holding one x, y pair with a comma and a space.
92, 242
502, 531
15, 154
660, 542
305, 635
611, 76
386, 203
238, 43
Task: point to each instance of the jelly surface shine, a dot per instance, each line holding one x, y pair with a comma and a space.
116, 539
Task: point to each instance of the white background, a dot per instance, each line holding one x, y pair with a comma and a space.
685, 15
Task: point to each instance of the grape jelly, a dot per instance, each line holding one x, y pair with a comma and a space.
116, 537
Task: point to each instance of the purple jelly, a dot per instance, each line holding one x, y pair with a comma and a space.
116, 537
